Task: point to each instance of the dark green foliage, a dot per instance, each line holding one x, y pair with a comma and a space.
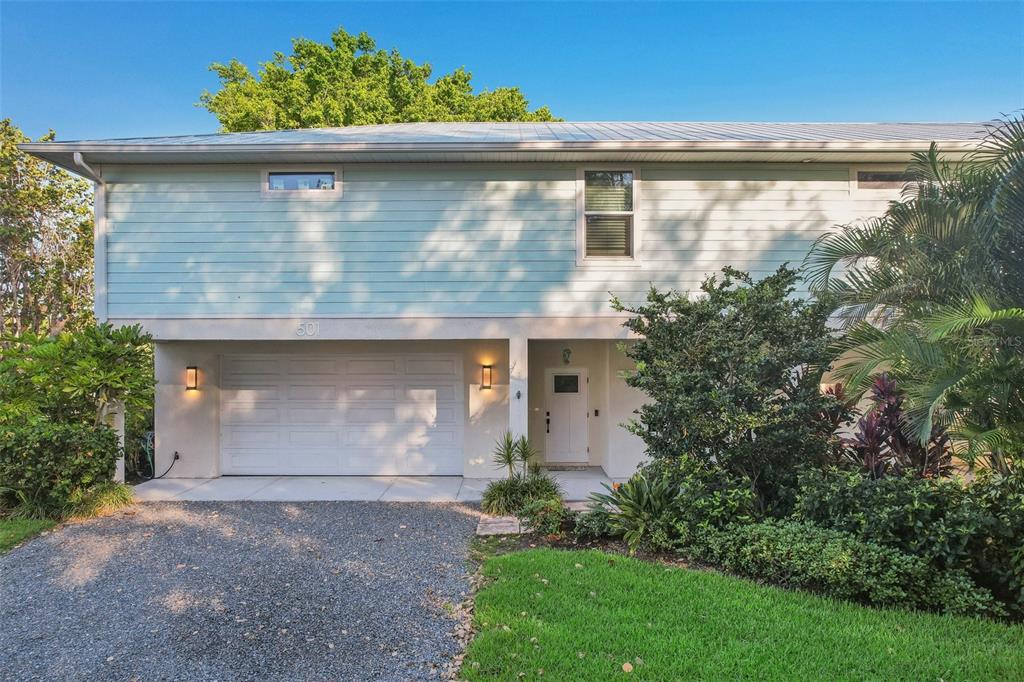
837, 564
48, 468
544, 516
508, 496
78, 377
734, 379
642, 511
978, 528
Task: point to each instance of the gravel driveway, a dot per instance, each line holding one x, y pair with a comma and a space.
238, 591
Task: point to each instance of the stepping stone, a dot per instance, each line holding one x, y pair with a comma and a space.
498, 525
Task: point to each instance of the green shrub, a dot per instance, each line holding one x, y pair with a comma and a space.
47, 469
718, 370
641, 511
705, 496
831, 562
593, 524
544, 516
507, 496
976, 528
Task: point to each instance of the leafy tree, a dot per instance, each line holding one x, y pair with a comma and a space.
351, 82
45, 242
734, 376
932, 292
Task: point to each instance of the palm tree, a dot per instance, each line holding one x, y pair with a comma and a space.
932, 292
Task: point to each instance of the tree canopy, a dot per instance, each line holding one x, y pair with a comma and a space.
45, 242
351, 82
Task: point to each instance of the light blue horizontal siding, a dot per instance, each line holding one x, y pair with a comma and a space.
441, 239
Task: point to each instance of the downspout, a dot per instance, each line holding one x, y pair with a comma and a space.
99, 236
115, 416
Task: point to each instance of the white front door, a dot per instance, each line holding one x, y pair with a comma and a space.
565, 419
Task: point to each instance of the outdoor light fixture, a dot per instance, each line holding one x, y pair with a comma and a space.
485, 376
191, 378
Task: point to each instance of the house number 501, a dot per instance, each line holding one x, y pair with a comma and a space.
308, 329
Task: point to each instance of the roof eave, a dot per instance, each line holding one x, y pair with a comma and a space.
62, 154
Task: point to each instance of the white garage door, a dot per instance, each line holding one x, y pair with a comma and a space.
342, 414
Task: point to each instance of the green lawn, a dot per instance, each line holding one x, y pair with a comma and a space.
13, 531
561, 615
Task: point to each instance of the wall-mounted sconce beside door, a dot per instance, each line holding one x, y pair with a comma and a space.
191, 378
486, 373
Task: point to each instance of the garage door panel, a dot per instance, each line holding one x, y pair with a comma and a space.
387, 366
442, 393
255, 415
443, 366
319, 415
250, 395
317, 367
312, 392
386, 392
342, 415
314, 439
248, 367
250, 437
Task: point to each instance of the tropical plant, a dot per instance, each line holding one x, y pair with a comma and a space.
508, 496
76, 377
525, 482
641, 511
881, 445
734, 379
350, 82
932, 293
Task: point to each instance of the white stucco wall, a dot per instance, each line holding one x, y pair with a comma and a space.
188, 422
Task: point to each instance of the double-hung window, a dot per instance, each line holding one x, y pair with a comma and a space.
608, 220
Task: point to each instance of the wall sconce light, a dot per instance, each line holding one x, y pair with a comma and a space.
191, 378
485, 376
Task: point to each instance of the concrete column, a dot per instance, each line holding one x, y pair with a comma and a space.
518, 404
115, 420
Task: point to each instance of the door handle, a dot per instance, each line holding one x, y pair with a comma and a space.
547, 425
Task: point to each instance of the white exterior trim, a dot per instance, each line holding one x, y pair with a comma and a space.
419, 328
301, 194
99, 245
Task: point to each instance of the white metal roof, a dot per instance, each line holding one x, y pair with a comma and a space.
569, 141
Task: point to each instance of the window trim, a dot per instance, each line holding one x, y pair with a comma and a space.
890, 192
301, 194
582, 259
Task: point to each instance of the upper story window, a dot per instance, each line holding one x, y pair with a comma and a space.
289, 182
881, 179
608, 214
301, 182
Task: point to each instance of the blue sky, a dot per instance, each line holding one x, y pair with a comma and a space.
94, 70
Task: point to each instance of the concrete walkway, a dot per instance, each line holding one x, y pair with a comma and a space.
577, 485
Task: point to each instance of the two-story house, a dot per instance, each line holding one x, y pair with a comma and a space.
390, 299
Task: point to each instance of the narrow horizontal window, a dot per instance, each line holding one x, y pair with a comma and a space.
608, 214
881, 180
299, 181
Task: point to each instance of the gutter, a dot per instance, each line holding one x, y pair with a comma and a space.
84, 168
